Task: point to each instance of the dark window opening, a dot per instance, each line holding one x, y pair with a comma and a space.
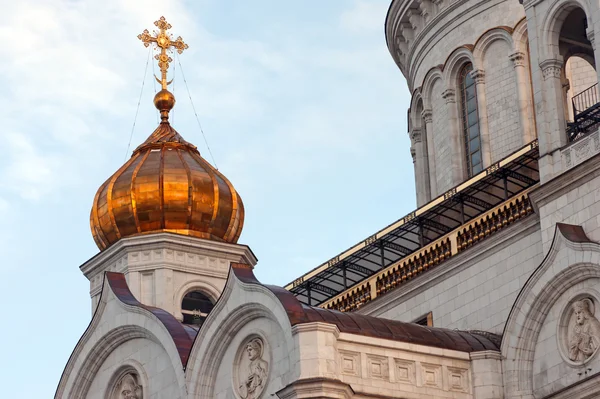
195, 307
426, 320
470, 121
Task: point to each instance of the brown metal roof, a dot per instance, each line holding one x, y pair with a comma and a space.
358, 324
183, 336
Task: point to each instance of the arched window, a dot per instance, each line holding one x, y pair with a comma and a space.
470, 121
195, 307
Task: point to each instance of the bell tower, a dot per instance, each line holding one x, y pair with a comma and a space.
167, 219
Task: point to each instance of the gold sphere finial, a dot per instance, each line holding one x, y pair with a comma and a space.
164, 101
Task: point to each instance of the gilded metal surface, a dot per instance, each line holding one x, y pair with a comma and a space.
166, 185
164, 41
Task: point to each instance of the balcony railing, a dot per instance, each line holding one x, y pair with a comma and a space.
448, 246
586, 113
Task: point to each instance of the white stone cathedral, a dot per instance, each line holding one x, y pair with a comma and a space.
489, 290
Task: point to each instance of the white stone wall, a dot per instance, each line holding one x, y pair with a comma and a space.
475, 290
153, 360
463, 23
502, 107
441, 142
581, 75
573, 198
550, 370
161, 268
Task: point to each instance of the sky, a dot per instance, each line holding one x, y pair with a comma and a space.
301, 103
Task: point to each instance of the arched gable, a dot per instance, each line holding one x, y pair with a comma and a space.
120, 319
571, 259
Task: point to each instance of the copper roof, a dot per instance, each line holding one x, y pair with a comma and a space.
299, 313
183, 336
166, 186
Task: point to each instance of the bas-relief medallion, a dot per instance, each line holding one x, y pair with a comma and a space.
252, 369
583, 331
128, 388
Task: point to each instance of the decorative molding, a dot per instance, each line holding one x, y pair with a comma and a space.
415, 135
349, 363
580, 151
316, 326
551, 68
405, 371
449, 95
458, 379
413, 154
431, 375
427, 115
378, 367
478, 76
517, 58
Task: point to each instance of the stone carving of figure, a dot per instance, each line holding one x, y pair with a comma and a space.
128, 388
258, 369
584, 332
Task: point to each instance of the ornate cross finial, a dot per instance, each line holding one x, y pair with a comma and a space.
163, 40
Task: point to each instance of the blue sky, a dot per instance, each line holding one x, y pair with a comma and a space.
301, 103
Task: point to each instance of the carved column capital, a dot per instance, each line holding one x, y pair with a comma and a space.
590, 35
427, 115
478, 75
518, 58
551, 68
415, 135
449, 95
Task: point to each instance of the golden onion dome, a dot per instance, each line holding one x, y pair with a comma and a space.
166, 186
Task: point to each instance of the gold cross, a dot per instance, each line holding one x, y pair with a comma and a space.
165, 42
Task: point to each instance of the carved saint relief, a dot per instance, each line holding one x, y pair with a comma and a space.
128, 388
584, 331
253, 370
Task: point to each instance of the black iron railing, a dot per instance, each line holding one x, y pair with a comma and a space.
586, 113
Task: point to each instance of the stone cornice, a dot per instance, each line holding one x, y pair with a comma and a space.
486, 355
565, 182
316, 326
148, 242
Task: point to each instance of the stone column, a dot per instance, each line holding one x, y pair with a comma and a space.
427, 116
484, 135
523, 95
419, 148
554, 112
457, 162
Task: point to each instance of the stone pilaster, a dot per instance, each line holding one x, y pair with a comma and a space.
427, 116
554, 112
419, 154
523, 94
457, 163
486, 152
